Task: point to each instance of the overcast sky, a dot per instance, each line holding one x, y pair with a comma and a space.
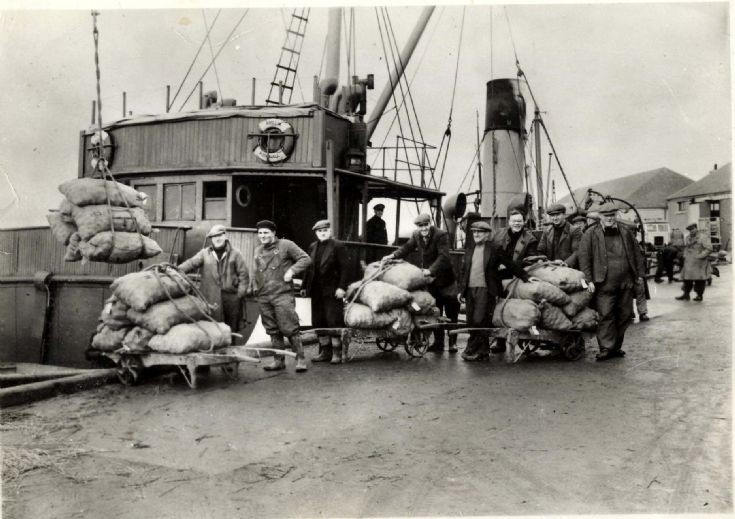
624, 87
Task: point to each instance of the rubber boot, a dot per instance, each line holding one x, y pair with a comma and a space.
298, 348
452, 344
279, 361
336, 351
325, 351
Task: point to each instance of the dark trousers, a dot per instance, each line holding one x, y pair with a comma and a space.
232, 310
326, 312
479, 309
697, 284
666, 265
278, 313
615, 306
448, 305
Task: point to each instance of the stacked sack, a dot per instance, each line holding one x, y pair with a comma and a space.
557, 300
388, 297
84, 222
157, 309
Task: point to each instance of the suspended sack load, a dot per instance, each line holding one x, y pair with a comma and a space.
137, 339
119, 247
160, 317
422, 303
537, 291
403, 322
360, 316
552, 318
519, 314
189, 337
398, 273
94, 219
587, 319
578, 301
96, 191
72, 249
568, 279
114, 314
381, 297
60, 227
107, 339
139, 290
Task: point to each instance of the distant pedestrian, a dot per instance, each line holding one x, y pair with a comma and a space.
612, 264
561, 240
667, 258
697, 268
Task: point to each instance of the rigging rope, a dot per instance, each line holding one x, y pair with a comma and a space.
211, 51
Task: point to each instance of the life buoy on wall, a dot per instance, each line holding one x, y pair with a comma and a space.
279, 142
101, 149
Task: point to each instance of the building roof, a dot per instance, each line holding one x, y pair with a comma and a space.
716, 181
645, 190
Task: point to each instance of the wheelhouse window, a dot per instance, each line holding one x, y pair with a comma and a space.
215, 201
151, 191
179, 202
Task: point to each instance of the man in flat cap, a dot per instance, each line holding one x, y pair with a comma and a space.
560, 241
432, 245
579, 221
325, 283
224, 277
696, 269
277, 261
480, 285
612, 264
375, 231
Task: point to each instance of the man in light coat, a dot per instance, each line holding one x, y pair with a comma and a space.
696, 269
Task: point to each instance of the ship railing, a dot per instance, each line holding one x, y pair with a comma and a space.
408, 161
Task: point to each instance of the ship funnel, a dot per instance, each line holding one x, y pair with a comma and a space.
328, 85
454, 208
502, 157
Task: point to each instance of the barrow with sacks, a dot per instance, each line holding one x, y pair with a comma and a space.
550, 313
390, 307
157, 317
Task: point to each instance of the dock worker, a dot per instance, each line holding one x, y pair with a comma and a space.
612, 263
579, 221
375, 231
325, 284
696, 268
561, 240
480, 286
432, 245
277, 261
224, 277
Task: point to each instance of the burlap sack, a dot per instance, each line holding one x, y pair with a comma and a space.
109, 340
587, 319
399, 273
65, 211
114, 314
568, 279
137, 339
578, 301
422, 303
519, 314
120, 247
60, 228
403, 322
160, 317
72, 249
552, 318
189, 337
360, 316
139, 290
537, 291
91, 191
381, 296
94, 219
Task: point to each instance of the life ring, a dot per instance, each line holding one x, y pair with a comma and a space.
238, 196
101, 149
278, 144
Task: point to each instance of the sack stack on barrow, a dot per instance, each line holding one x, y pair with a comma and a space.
158, 309
388, 297
559, 295
102, 220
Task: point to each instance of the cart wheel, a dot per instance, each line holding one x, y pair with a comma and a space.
129, 370
386, 344
573, 348
417, 343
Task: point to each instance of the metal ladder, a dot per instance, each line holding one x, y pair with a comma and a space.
288, 62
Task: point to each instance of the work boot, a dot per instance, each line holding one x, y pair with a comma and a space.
698, 298
452, 344
301, 365
325, 353
298, 348
683, 297
659, 280
644, 317
336, 354
279, 361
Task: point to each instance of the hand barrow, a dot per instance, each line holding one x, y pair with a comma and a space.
570, 343
415, 343
130, 364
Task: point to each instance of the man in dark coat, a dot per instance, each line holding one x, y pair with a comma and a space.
561, 240
224, 277
325, 284
432, 245
375, 231
481, 285
612, 264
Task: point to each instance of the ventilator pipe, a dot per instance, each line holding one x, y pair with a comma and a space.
397, 73
328, 85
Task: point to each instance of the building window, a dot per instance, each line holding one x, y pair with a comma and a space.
714, 208
151, 191
681, 206
179, 202
215, 201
